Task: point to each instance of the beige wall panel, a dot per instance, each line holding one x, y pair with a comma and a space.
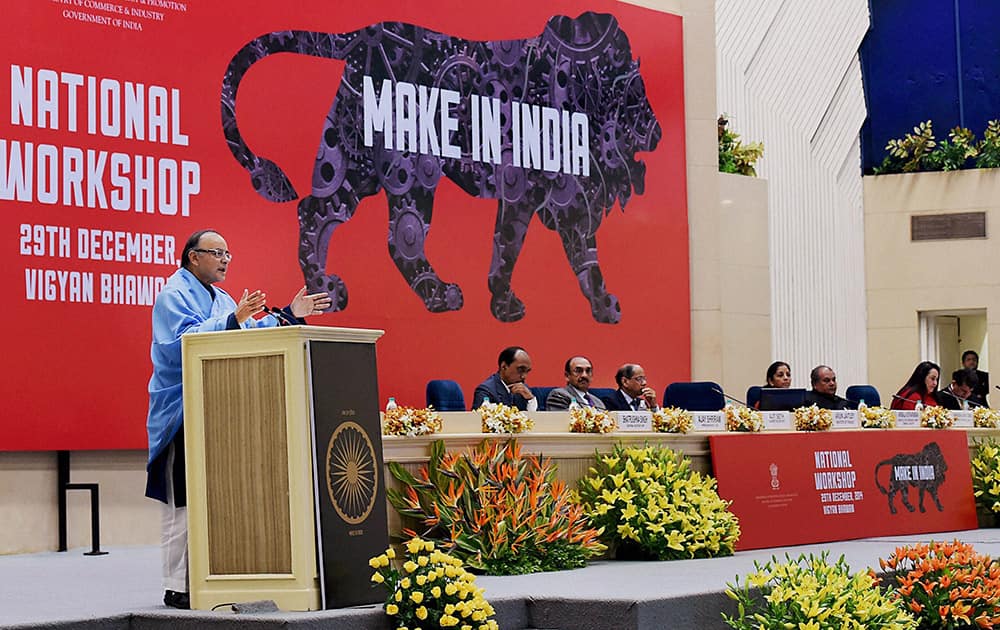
904, 277
884, 310
706, 345
748, 336
29, 516
955, 190
888, 370
745, 292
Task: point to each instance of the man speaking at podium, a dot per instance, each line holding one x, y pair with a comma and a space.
189, 303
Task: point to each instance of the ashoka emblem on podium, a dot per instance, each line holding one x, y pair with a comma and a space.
351, 474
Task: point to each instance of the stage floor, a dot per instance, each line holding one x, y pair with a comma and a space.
122, 590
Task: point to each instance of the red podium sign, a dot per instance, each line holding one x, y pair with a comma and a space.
801, 488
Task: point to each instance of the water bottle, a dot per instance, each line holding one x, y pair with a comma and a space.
389, 406
919, 406
486, 400
862, 405
573, 405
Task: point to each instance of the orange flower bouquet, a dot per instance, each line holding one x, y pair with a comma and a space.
945, 585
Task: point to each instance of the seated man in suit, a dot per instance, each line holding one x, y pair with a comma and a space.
970, 361
633, 393
824, 390
958, 395
578, 373
506, 385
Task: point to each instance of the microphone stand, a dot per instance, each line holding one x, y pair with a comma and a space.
728, 397
279, 315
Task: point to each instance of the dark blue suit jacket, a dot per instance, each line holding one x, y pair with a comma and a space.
494, 389
616, 401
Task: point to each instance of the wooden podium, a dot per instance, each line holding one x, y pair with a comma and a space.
263, 407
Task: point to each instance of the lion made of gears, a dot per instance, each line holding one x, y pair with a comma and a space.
581, 65
924, 471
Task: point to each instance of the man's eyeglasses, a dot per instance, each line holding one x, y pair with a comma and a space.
220, 254
638, 379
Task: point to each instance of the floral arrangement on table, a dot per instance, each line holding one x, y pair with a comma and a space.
495, 510
876, 417
809, 593
647, 502
501, 418
411, 422
743, 419
812, 418
945, 585
985, 417
430, 589
591, 420
672, 420
986, 474
934, 417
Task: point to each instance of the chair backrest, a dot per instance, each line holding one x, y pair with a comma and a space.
753, 396
867, 393
541, 393
602, 392
445, 395
697, 396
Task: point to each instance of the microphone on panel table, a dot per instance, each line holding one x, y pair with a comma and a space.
718, 390
279, 315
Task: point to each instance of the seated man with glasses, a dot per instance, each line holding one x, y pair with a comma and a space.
633, 394
188, 303
578, 374
824, 390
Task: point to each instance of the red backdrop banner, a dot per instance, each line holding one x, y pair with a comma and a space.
794, 489
124, 134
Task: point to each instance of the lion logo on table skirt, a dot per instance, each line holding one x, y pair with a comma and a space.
924, 471
580, 66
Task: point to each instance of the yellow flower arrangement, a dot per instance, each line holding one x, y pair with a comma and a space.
985, 417
986, 474
410, 422
501, 418
671, 420
809, 593
743, 419
876, 417
591, 420
452, 601
649, 500
812, 418
934, 417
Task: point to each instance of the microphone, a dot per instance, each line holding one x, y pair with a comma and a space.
279, 315
968, 401
728, 397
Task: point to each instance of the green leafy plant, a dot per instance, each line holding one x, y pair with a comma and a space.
989, 146
955, 152
946, 586
986, 474
908, 154
499, 512
809, 593
648, 500
734, 156
430, 588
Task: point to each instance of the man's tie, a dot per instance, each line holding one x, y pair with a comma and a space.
636, 404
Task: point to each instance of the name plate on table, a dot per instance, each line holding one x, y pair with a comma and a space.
963, 419
908, 419
777, 420
708, 421
634, 420
845, 419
